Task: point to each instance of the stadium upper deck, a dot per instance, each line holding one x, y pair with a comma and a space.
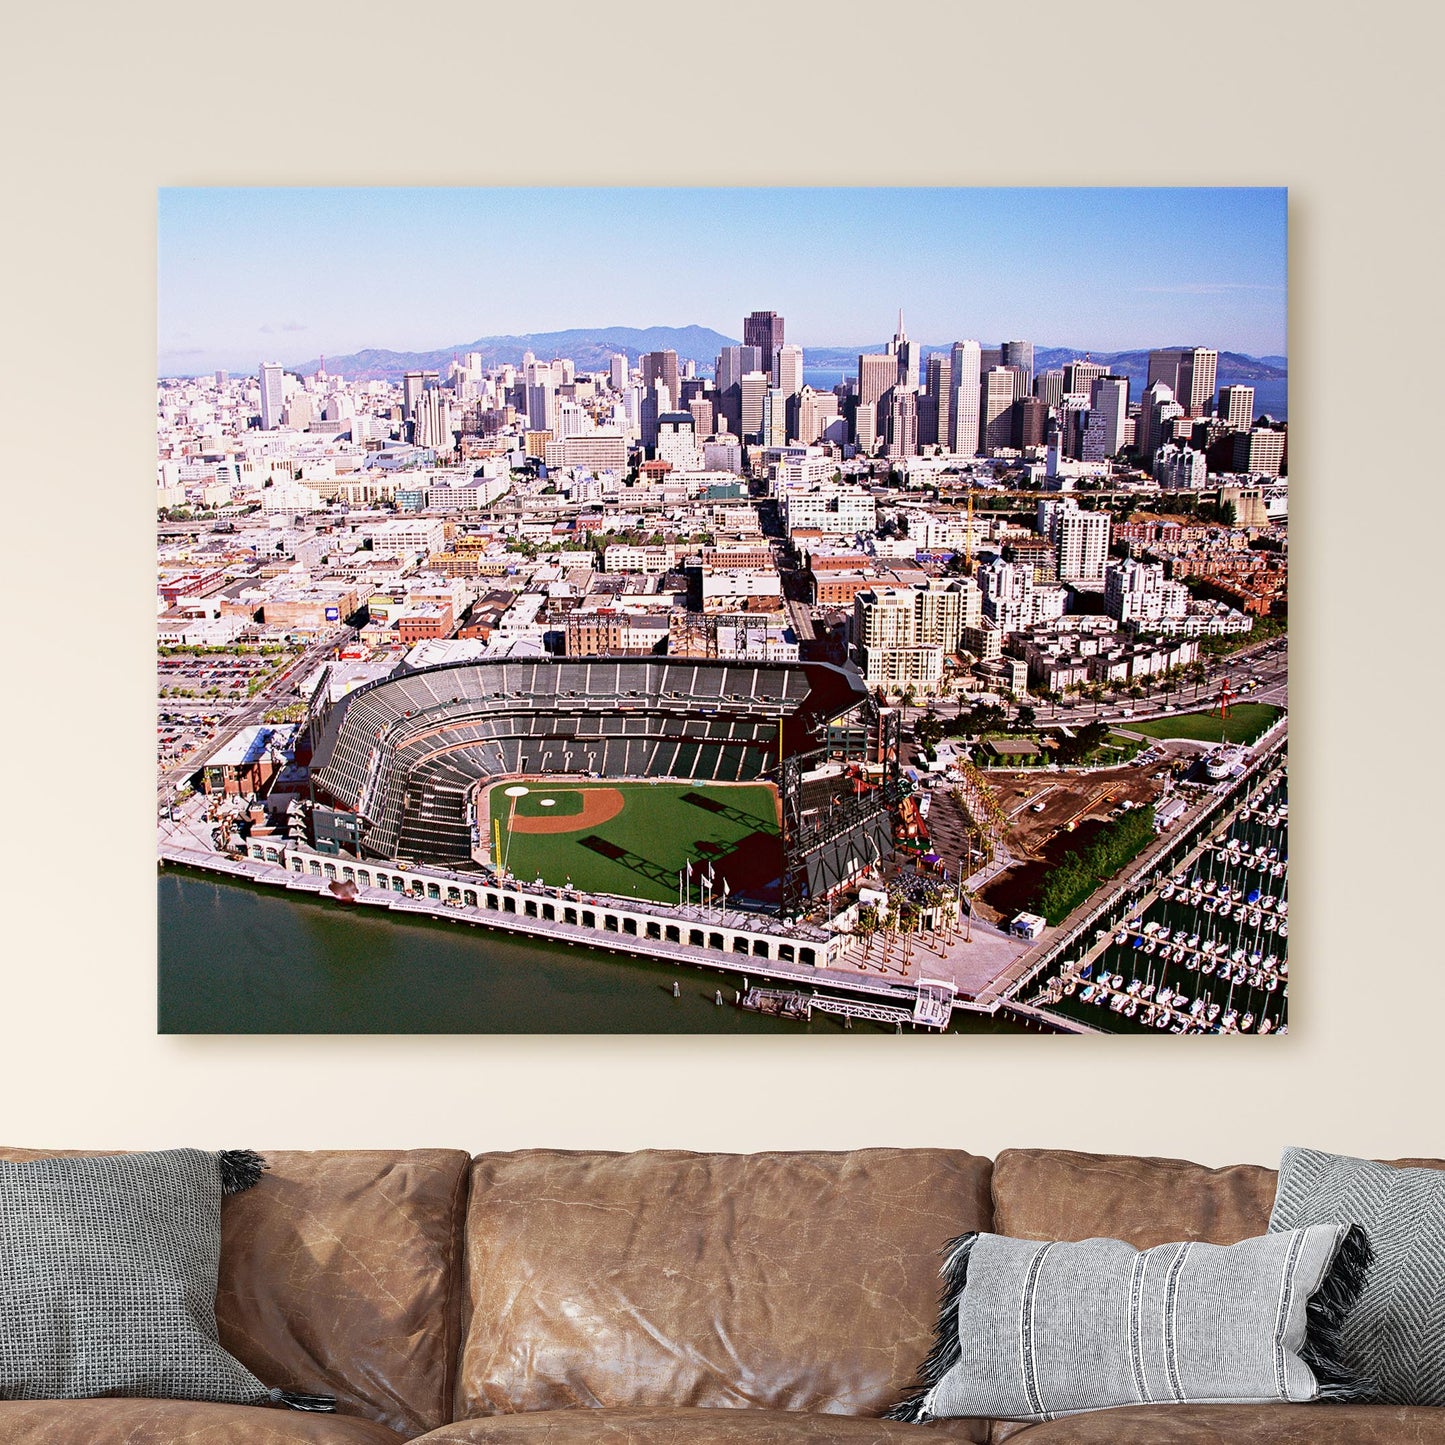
405, 753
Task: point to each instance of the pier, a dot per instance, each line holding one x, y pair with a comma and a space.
690, 936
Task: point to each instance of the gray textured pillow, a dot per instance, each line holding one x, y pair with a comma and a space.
1396, 1334
1033, 1331
108, 1278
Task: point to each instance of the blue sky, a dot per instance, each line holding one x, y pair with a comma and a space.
248, 274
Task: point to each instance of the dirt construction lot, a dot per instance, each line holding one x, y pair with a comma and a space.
1070, 798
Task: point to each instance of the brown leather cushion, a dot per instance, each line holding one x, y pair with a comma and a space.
1060, 1194
1249, 1424
694, 1427
341, 1275
666, 1279
171, 1422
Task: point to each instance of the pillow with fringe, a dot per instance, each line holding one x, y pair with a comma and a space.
1034, 1330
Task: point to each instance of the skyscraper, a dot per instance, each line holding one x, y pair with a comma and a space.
877, 374
1156, 416
1236, 406
619, 372
965, 379
433, 420
413, 383
660, 368
995, 416
1080, 376
939, 389
732, 364
272, 394
1108, 411
1080, 538
903, 422
905, 353
788, 369
764, 329
1203, 366
753, 389
1020, 354
774, 428
1049, 388
1029, 416
1189, 372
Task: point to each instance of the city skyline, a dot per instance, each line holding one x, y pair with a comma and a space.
269, 273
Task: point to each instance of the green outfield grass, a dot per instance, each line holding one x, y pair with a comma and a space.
639, 851
1246, 721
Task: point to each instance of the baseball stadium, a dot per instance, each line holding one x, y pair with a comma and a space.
769, 784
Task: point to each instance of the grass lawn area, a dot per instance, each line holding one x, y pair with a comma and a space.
639, 851
1246, 721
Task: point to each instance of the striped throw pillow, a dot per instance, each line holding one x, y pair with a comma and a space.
1033, 1331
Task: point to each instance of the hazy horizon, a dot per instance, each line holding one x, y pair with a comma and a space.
252, 274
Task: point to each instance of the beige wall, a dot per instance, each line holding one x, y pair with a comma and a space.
101, 107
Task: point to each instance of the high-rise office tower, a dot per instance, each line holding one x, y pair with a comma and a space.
704, 415
865, 426
1049, 388
541, 407
905, 353
989, 357
815, 409
764, 329
1202, 368
902, 422
659, 368
753, 389
995, 413
1080, 376
733, 363
934, 431
413, 383
432, 424
877, 374
1165, 365
788, 369
273, 397
619, 372
1189, 372
1021, 355
965, 378
774, 428
1236, 406
1109, 402
1029, 416
1156, 416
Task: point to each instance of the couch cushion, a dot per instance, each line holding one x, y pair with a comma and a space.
341, 1275
1059, 1194
662, 1279
583, 1426
170, 1422
1248, 1424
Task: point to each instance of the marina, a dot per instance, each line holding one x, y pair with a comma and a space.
1202, 947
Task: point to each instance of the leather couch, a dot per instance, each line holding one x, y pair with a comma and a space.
551, 1297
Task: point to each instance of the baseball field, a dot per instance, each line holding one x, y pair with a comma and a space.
634, 838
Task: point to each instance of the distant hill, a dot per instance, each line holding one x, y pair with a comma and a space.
1235, 364
591, 348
